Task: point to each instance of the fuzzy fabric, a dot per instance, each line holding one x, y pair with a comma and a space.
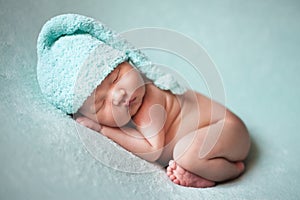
255, 45
76, 53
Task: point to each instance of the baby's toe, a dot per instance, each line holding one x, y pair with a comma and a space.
172, 177
169, 169
176, 181
172, 164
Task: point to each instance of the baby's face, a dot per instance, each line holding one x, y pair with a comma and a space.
117, 98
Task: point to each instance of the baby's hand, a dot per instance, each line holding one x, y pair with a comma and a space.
84, 121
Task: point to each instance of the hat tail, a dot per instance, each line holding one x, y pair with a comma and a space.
71, 24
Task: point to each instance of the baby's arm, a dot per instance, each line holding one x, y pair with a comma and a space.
129, 138
135, 142
84, 121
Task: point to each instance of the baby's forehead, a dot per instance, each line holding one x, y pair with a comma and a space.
105, 81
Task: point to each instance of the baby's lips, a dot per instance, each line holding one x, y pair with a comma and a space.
129, 102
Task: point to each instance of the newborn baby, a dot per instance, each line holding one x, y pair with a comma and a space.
86, 69
201, 141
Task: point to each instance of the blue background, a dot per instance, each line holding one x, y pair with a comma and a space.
255, 46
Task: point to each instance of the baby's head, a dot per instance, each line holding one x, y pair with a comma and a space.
77, 54
117, 98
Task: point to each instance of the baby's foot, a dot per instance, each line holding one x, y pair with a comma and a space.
183, 177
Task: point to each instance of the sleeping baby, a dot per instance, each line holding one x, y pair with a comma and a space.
108, 86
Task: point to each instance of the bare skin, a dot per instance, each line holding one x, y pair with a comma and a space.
200, 140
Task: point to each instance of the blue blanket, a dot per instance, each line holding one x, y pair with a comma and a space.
255, 46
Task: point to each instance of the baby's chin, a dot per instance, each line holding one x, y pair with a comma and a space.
135, 108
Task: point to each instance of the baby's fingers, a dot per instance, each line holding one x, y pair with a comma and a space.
89, 123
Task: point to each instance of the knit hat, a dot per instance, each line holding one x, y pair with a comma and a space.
76, 53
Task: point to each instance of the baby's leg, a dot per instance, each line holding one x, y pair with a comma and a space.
216, 157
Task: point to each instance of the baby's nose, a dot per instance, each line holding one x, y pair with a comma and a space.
118, 96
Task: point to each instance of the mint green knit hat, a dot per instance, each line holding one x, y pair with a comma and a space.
76, 53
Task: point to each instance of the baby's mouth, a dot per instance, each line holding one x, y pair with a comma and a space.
130, 102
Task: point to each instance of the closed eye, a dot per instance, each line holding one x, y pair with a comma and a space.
116, 77
100, 106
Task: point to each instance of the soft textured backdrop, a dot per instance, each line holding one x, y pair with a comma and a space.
255, 45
